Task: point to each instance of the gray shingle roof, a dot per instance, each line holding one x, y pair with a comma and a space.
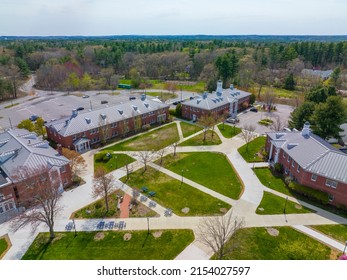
313, 154
213, 100
93, 119
19, 147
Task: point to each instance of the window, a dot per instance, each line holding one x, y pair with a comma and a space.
293, 163
331, 183
113, 125
1, 210
298, 168
331, 197
284, 153
286, 170
288, 159
74, 137
62, 169
314, 177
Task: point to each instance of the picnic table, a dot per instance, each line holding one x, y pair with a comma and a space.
144, 189
151, 193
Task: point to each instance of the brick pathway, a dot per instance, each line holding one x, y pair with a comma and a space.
124, 207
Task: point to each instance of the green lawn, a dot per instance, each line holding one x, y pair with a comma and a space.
97, 209
3, 245
171, 193
189, 129
254, 147
211, 170
273, 204
276, 183
154, 140
116, 161
110, 245
269, 180
198, 140
258, 244
338, 232
11, 105
229, 131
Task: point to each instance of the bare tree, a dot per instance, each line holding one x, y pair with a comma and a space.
248, 134
174, 145
104, 129
161, 154
127, 167
270, 98
217, 233
278, 124
77, 162
103, 185
207, 121
145, 157
39, 191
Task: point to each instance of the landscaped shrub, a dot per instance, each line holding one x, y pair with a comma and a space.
313, 194
98, 205
100, 156
265, 122
278, 167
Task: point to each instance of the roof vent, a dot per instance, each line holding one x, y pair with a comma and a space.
204, 95
103, 116
279, 135
292, 145
198, 100
231, 86
74, 113
134, 107
146, 104
120, 111
88, 120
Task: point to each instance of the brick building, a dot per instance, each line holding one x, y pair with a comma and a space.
20, 148
82, 131
311, 161
229, 100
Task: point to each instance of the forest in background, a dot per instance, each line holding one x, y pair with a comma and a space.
254, 63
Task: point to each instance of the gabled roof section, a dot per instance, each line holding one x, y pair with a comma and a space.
93, 119
313, 154
24, 148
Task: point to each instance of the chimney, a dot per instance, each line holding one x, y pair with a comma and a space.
231, 86
143, 97
74, 113
204, 95
306, 130
219, 89
60, 149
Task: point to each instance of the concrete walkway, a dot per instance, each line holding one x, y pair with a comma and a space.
244, 208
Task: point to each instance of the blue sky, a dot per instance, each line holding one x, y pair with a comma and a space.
174, 17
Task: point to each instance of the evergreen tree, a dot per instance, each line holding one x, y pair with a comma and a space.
301, 114
289, 82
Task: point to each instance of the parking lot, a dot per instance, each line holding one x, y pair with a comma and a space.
252, 118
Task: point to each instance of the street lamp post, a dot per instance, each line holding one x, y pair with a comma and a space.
285, 206
147, 225
74, 226
182, 177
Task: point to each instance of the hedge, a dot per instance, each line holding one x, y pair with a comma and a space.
312, 194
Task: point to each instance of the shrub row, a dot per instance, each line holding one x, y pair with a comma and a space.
310, 193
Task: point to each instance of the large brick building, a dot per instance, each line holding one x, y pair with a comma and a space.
82, 131
21, 149
311, 161
221, 101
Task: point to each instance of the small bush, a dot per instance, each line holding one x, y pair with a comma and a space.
100, 156
312, 194
98, 205
278, 168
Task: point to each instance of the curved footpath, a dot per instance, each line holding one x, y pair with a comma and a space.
243, 208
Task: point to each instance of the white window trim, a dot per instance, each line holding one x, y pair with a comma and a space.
329, 184
298, 169
314, 180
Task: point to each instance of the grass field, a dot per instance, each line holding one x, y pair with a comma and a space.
254, 147
211, 170
164, 95
229, 131
273, 204
115, 162
110, 245
154, 140
171, 193
189, 129
289, 244
3, 245
338, 232
198, 140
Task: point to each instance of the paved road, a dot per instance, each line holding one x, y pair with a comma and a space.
244, 208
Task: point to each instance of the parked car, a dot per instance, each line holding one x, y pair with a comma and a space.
132, 98
33, 118
232, 120
253, 109
104, 102
85, 96
80, 109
